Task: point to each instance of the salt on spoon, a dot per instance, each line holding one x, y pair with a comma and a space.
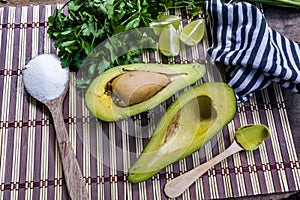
47, 81
44, 77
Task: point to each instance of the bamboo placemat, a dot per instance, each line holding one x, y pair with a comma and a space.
30, 166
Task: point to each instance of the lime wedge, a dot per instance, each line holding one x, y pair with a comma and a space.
193, 32
163, 22
169, 43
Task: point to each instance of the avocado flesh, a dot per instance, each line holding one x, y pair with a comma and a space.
99, 100
193, 119
251, 136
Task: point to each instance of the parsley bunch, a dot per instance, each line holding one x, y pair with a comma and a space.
78, 29
89, 22
80, 25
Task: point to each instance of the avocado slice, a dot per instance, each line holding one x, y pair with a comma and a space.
190, 121
99, 97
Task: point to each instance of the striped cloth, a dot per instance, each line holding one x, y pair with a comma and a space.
254, 55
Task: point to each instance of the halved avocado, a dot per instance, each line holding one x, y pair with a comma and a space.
99, 100
190, 121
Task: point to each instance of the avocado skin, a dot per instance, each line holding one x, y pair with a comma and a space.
193, 133
101, 104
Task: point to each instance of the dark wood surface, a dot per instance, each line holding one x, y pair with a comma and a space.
285, 21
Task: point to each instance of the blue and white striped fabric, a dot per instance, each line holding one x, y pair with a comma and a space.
254, 55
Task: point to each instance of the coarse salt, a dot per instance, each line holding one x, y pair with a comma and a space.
44, 78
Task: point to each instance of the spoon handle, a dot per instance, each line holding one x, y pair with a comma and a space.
72, 172
178, 185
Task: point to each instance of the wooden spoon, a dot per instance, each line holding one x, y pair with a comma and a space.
246, 141
47, 81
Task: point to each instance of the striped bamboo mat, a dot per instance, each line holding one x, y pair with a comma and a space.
30, 167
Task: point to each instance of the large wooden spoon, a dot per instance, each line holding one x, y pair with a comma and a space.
246, 138
47, 81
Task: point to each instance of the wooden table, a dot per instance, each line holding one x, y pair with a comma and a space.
286, 21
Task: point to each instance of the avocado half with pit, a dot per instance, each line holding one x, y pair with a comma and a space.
128, 90
190, 121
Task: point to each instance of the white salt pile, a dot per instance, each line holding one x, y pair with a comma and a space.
44, 77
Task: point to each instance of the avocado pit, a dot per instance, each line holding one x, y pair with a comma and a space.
133, 87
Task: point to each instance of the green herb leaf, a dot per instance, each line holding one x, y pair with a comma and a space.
90, 22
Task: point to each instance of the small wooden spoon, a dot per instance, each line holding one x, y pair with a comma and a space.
244, 140
45, 80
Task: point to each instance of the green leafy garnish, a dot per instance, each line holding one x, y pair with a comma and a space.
80, 25
90, 22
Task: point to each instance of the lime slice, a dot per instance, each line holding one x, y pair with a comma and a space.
163, 22
169, 43
193, 32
